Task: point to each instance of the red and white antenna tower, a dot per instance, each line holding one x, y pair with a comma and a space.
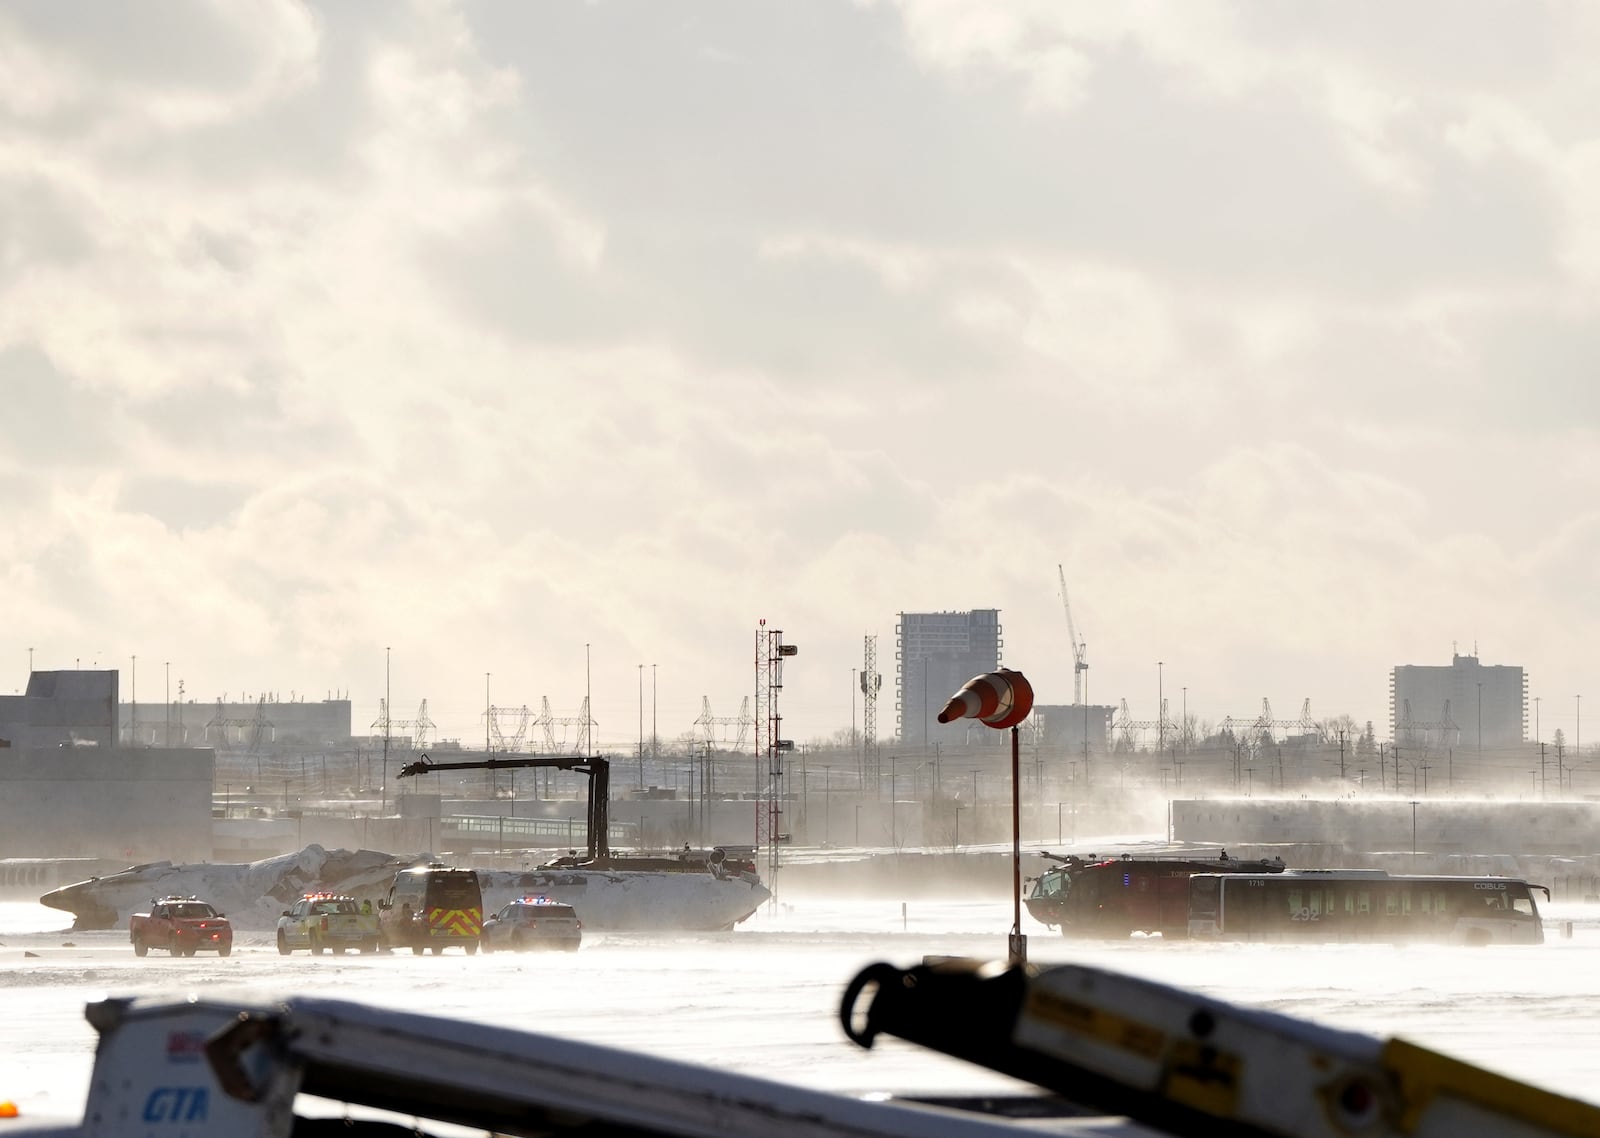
771, 746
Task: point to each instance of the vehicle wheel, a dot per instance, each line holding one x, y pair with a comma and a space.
316, 945
472, 948
283, 944
139, 947
437, 948
369, 947
488, 945
225, 950
519, 943
189, 951
416, 950
172, 947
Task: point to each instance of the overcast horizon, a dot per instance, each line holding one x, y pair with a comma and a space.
528, 339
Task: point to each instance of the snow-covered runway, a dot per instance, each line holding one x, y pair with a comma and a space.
763, 1000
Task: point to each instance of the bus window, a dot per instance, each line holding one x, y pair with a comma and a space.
1391, 903
1523, 905
1440, 901
1296, 903
1245, 906
1363, 902
1405, 901
1495, 901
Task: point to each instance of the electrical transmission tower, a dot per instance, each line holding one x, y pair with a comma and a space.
418, 730
509, 727
708, 724
549, 722
254, 732
1262, 730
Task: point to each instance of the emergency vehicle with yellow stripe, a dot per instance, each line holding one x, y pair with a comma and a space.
431, 907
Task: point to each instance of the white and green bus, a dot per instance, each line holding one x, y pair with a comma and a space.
1332, 905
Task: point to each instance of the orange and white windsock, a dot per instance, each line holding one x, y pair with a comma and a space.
1000, 699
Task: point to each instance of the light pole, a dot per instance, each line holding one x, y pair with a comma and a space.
1161, 714
925, 716
655, 739
974, 802
1413, 835
383, 781
166, 738
894, 795
827, 803
133, 713
641, 726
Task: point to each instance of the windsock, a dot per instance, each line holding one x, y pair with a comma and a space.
1000, 699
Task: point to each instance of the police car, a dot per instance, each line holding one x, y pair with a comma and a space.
533, 922
321, 921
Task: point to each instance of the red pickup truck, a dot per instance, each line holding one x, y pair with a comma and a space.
182, 926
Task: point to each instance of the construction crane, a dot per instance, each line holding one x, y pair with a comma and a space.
1079, 665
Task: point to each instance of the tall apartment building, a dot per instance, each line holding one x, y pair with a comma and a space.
1466, 705
935, 653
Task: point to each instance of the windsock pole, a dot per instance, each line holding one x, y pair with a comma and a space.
1002, 699
1018, 948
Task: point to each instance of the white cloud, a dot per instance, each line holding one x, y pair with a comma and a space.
348, 330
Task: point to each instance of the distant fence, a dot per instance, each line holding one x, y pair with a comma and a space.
490, 829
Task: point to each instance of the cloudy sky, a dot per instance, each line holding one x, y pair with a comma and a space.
492, 334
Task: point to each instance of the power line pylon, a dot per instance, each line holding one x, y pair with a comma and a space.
708, 724
549, 723
254, 731
509, 727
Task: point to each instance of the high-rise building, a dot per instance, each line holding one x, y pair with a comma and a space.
1466, 705
937, 652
